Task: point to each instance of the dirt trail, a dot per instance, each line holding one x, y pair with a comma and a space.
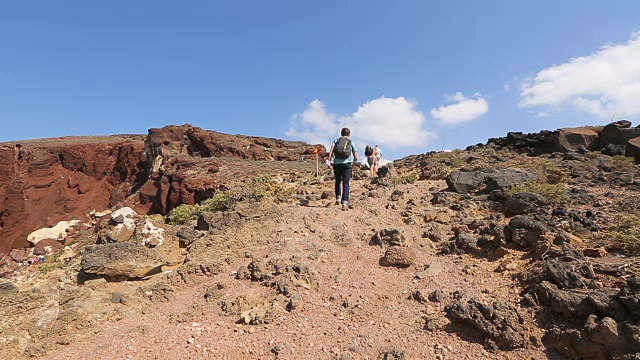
359, 309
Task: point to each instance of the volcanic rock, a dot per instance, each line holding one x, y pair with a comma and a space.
465, 181
504, 178
122, 260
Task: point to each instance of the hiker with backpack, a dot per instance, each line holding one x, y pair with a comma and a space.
344, 154
374, 154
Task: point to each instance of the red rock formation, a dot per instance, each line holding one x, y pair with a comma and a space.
49, 180
46, 181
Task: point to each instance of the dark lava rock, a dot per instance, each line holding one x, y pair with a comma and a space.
187, 235
436, 296
389, 237
395, 354
524, 231
463, 182
462, 243
504, 178
524, 203
613, 150
502, 324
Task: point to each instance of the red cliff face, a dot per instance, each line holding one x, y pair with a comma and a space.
46, 181
50, 180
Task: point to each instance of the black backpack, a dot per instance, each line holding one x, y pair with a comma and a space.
368, 151
342, 149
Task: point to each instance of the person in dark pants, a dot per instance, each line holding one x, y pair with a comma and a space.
343, 154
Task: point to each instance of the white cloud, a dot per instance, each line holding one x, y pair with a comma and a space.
464, 109
542, 114
389, 122
603, 83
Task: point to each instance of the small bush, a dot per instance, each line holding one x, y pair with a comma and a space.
552, 192
626, 232
450, 158
49, 267
183, 214
548, 171
409, 179
219, 202
438, 171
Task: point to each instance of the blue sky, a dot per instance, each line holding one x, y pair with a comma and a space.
413, 76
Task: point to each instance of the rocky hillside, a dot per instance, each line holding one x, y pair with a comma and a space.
525, 247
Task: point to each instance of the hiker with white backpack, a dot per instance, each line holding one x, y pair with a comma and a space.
343, 154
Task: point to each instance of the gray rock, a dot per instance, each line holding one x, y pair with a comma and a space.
208, 220
187, 235
436, 296
118, 298
505, 178
433, 269
613, 150
295, 302
463, 182
418, 296
524, 231
387, 171
502, 323
524, 203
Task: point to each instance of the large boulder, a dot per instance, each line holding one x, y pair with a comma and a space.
505, 178
633, 149
617, 133
122, 260
465, 181
570, 139
58, 232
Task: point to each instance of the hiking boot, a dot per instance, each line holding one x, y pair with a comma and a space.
344, 207
337, 202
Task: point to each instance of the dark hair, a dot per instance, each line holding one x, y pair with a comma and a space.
345, 132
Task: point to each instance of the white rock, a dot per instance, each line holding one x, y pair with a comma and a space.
152, 235
125, 216
103, 213
57, 232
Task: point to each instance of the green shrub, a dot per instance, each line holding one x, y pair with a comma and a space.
548, 171
450, 158
439, 171
626, 232
409, 179
182, 214
552, 192
219, 202
49, 267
